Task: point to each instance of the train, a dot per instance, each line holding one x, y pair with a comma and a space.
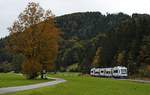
116, 72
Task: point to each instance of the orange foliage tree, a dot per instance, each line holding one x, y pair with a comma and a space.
97, 59
35, 35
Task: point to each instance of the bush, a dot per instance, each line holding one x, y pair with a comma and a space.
72, 68
144, 71
6, 67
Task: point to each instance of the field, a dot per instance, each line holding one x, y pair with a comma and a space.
11, 79
86, 85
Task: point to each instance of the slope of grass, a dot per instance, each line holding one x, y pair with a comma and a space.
84, 85
12, 79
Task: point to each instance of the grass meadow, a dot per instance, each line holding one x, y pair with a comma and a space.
86, 85
12, 79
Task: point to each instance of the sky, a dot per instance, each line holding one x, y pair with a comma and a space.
10, 9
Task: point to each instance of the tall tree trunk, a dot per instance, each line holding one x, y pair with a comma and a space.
42, 75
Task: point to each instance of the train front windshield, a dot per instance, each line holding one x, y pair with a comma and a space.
124, 71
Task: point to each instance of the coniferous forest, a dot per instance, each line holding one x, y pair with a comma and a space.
92, 39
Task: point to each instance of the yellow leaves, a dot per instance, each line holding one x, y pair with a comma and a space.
120, 58
41, 42
36, 37
25, 17
148, 68
97, 58
30, 68
31, 65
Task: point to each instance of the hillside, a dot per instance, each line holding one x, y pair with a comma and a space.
120, 38
115, 34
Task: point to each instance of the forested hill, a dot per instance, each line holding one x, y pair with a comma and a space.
92, 39
89, 24
119, 39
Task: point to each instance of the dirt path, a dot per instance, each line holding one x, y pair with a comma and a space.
29, 87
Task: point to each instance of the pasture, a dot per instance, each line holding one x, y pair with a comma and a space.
12, 79
86, 85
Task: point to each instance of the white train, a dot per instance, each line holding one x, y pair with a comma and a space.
117, 72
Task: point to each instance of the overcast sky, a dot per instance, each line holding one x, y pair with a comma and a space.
10, 9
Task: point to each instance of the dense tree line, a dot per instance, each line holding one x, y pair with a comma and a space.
93, 39
119, 39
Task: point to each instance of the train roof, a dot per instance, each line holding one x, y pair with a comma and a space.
120, 67
116, 67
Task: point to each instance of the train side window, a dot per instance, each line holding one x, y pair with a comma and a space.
96, 72
115, 71
108, 72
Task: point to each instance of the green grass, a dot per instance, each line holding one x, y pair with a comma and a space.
84, 85
12, 79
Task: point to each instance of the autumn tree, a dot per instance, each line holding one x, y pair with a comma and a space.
144, 57
120, 59
35, 35
131, 64
97, 58
146, 48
